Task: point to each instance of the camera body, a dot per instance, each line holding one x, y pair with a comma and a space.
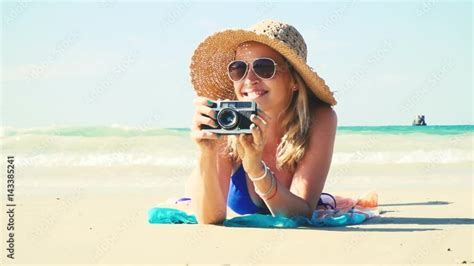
233, 117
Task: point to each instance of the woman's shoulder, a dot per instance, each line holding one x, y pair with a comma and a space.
324, 116
321, 135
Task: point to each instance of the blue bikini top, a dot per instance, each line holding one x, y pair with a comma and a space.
240, 202
239, 199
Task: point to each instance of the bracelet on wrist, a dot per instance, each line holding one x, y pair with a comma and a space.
274, 193
260, 177
268, 193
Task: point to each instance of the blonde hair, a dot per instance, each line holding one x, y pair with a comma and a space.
296, 118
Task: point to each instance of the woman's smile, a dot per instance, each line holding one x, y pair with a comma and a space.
270, 72
252, 94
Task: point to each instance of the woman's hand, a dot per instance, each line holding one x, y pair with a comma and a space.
250, 147
204, 115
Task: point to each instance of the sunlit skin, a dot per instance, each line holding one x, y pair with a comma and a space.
298, 190
279, 88
278, 91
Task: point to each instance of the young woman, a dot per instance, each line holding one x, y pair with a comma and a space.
282, 166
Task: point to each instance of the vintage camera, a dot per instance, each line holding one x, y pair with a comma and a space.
233, 117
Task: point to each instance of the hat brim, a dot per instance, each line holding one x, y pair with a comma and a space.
210, 59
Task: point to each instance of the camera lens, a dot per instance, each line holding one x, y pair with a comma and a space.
228, 118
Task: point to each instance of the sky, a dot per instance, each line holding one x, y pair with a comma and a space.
125, 63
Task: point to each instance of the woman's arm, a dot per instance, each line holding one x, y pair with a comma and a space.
310, 175
210, 180
210, 186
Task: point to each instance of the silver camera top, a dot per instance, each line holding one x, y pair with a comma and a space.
239, 105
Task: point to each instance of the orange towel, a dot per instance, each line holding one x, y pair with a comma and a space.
370, 200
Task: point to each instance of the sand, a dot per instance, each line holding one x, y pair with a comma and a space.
424, 220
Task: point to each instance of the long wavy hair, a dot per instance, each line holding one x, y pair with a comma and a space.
296, 118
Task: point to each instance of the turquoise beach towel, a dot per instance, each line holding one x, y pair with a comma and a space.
319, 218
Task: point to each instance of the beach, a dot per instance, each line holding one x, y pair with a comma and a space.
98, 97
82, 197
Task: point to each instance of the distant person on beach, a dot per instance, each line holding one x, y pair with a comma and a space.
281, 167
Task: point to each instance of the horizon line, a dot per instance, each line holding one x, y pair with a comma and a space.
167, 127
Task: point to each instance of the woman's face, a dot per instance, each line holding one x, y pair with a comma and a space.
271, 95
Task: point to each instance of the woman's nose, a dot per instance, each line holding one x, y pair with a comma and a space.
251, 77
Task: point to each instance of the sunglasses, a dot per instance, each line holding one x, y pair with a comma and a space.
264, 68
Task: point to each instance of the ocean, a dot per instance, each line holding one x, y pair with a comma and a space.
118, 145
154, 157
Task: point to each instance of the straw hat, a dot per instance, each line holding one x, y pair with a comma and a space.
211, 57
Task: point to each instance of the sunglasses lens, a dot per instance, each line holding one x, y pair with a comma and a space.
237, 70
264, 68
